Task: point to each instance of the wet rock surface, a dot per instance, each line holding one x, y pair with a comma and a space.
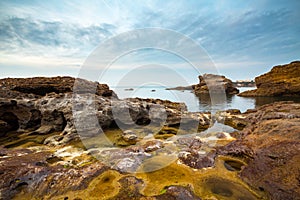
169, 154
271, 145
41, 106
282, 80
29, 174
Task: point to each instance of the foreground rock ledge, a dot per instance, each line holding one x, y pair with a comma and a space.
42, 166
271, 146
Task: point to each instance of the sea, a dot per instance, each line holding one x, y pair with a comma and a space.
198, 104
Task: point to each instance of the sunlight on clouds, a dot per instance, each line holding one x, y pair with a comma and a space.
249, 35
39, 62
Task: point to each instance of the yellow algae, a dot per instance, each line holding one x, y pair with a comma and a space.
163, 136
210, 183
217, 182
107, 139
25, 140
156, 163
156, 181
104, 186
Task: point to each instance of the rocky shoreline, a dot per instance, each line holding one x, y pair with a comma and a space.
255, 155
282, 80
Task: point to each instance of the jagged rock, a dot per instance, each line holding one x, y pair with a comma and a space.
196, 160
282, 80
152, 145
18, 115
47, 105
233, 118
177, 192
270, 144
130, 137
214, 84
29, 172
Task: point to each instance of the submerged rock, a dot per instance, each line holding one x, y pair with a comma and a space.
282, 80
130, 137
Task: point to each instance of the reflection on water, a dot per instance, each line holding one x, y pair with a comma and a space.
259, 101
204, 102
241, 103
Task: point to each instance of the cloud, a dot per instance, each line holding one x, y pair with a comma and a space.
235, 34
34, 41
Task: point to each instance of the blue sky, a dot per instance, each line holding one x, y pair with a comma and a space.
243, 38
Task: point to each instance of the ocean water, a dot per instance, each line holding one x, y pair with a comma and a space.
203, 103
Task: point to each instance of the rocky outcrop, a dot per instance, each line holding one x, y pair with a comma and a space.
47, 162
270, 144
40, 86
211, 83
181, 88
42, 106
38, 177
282, 80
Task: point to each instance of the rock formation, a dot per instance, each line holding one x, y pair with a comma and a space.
45, 105
210, 84
282, 80
42, 156
40, 86
270, 144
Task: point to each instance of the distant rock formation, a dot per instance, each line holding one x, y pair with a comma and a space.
244, 83
282, 80
40, 86
181, 88
211, 83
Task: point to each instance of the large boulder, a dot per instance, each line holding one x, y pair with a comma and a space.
282, 80
211, 84
270, 144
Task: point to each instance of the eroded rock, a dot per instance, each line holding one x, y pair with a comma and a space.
282, 80
214, 84
270, 144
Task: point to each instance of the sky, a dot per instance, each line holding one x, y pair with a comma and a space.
241, 39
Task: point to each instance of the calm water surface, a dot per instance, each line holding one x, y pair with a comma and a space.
202, 103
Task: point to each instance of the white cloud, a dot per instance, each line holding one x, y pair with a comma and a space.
235, 34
